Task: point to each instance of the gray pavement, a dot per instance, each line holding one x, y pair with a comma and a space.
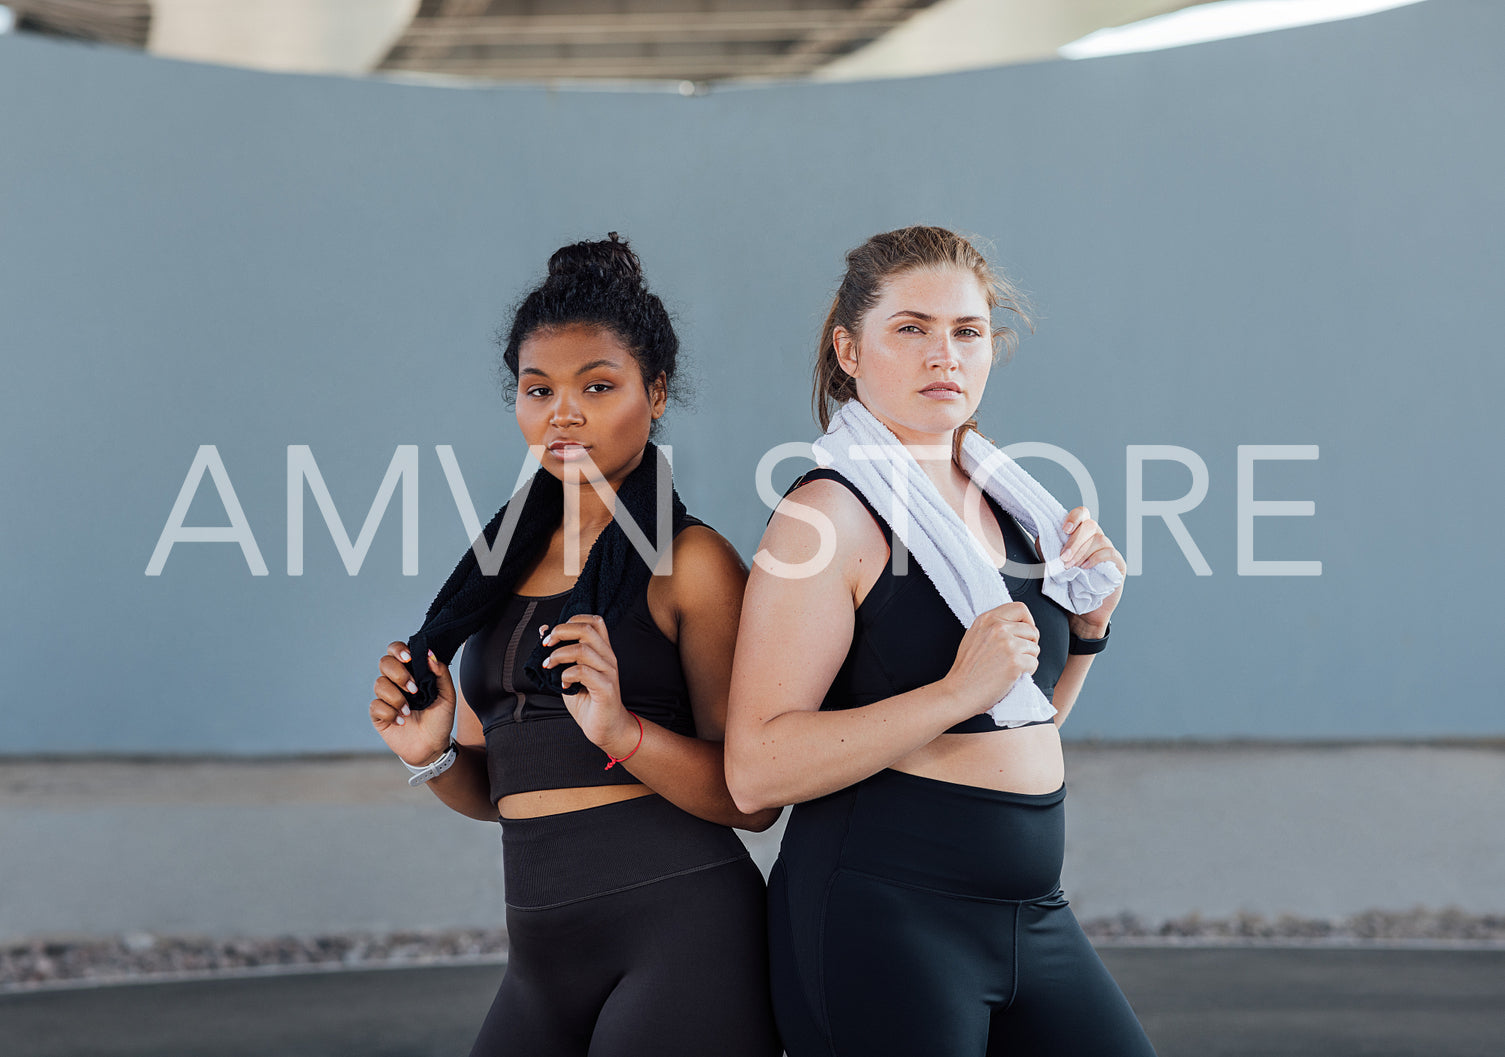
1209, 1002
309, 846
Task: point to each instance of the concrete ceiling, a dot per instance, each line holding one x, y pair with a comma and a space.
695, 41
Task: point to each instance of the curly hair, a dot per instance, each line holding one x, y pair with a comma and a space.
598, 284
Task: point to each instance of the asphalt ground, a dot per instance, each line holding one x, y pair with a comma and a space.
1204, 1001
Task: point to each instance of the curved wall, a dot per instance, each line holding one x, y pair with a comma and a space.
1288, 240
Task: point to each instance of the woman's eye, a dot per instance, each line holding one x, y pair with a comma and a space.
538, 390
970, 332
909, 326
604, 386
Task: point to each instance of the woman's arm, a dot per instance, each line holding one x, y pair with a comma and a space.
466, 786
1069, 685
1086, 546
421, 737
706, 586
794, 636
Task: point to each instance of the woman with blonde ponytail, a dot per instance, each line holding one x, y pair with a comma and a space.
911, 714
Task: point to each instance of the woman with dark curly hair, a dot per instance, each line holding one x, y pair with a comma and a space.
911, 715
591, 703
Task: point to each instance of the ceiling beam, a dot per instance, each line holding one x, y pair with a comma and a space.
869, 19
111, 21
664, 67
646, 26
445, 9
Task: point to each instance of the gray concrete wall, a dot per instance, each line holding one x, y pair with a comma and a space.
1287, 239
264, 848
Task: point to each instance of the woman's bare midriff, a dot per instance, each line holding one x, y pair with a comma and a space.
1022, 760
538, 802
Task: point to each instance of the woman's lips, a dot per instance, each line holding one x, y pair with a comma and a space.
941, 394
567, 452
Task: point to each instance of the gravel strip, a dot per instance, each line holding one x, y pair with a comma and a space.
42, 963
1416, 924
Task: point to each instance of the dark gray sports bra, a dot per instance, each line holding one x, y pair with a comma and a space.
532, 741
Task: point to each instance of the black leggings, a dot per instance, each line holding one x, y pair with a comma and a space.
912, 916
635, 929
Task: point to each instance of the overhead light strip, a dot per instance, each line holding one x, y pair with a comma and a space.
1219, 21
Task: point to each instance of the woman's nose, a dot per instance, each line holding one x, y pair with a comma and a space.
565, 411
942, 353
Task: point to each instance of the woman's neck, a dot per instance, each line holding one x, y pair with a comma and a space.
586, 511
926, 449
589, 506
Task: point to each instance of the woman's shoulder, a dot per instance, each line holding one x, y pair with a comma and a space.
827, 491
701, 558
697, 545
700, 573
823, 514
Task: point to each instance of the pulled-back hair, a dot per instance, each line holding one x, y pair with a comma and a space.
597, 284
873, 264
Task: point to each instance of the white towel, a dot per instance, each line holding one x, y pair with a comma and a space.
867, 453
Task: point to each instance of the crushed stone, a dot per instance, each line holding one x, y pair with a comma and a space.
142, 955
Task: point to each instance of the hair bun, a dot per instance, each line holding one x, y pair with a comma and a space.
609, 259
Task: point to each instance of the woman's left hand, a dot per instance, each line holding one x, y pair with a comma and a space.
1086, 546
596, 702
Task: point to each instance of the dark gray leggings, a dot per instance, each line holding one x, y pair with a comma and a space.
913, 916
635, 930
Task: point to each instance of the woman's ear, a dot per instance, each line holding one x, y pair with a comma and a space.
846, 349
658, 394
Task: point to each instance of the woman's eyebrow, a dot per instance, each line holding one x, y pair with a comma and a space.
924, 317
598, 363
587, 367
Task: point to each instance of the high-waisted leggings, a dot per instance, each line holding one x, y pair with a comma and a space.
910, 916
635, 929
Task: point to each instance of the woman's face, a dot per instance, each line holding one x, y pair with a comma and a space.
924, 353
580, 397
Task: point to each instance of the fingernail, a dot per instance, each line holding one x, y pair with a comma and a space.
406, 710
405, 656
412, 687
400, 721
431, 656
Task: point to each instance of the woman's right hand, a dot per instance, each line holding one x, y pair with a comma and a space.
417, 737
1001, 645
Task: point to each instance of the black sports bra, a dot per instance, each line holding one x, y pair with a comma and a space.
905, 636
532, 741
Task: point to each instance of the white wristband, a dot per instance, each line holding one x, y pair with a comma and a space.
433, 770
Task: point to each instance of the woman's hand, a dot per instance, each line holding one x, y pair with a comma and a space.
1001, 645
596, 702
420, 737
1086, 546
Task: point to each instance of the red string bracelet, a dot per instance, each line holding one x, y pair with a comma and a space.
614, 760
